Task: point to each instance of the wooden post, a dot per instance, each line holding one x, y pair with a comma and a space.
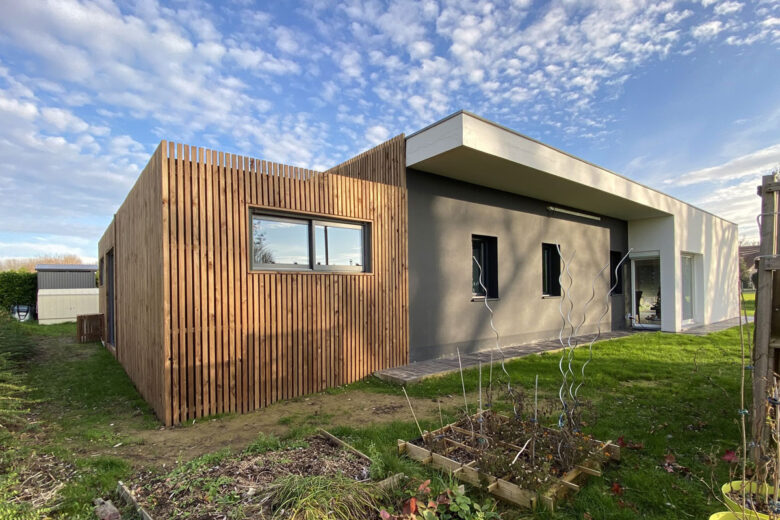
763, 354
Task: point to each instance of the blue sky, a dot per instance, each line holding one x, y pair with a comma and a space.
682, 96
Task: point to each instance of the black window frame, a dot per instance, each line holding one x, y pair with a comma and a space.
614, 259
551, 271
488, 260
310, 221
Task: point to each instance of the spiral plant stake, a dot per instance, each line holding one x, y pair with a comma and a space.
604, 312
568, 351
495, 332
568, 377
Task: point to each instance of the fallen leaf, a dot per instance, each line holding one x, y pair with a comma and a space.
670, 458
616, 489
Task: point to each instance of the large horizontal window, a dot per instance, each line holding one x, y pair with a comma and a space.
298, 243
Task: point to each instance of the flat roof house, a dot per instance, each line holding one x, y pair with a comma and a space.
231, 282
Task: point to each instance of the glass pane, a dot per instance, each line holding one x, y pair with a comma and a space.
477, 251
647, 293
319, 246
283, 242
687, 288
345, 246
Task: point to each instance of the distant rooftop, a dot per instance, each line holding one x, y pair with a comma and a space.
66, 267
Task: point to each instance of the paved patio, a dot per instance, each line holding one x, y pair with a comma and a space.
703, 330
414, 372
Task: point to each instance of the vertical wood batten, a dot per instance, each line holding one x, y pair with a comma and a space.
200, 333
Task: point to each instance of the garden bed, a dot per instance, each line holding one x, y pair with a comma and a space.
218, 487
515, 460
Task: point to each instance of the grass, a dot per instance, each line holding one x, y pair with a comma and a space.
674, 394
80, 395
749, 302
317, 497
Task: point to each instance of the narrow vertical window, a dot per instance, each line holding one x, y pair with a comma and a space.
551, 270
484, 266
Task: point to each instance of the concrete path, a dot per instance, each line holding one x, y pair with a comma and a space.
703, 330
414, 372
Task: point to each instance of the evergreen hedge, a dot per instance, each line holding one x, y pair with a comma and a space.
17, 287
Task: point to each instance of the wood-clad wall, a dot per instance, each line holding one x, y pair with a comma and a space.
235, 339
136, 236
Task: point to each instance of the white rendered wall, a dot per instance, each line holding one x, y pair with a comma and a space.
656, 235
62, 305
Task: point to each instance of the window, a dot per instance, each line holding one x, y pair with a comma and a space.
338, 246
484, 266
282, 242
615, 281
551, 270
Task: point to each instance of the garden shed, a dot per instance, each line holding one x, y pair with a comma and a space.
66, 291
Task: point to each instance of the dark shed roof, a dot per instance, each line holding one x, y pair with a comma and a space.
66, 267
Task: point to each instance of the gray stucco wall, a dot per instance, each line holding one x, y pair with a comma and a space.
444, 214
66, 280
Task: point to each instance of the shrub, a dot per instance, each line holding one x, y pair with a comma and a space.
318, 497
17, 287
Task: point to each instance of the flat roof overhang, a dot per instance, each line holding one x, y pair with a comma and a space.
469, 148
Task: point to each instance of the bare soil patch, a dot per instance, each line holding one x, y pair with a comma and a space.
183, 443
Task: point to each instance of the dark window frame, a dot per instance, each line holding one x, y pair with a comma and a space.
614, 258
260, 266
339, 224
551, 271
310, 221
488, 259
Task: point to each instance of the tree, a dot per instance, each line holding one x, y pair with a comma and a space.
744, 273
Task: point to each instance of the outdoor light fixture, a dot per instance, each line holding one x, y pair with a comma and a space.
556, 209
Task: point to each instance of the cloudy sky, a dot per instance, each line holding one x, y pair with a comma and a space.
682, 96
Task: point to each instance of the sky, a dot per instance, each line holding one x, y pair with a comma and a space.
681, 96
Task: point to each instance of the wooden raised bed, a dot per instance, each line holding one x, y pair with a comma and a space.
501, 488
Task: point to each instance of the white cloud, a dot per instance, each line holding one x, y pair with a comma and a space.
753, 164
707, 30
64, 120
725, 8
377, 134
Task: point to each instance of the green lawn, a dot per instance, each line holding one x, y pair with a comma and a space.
672, 394
76, 394
749, 302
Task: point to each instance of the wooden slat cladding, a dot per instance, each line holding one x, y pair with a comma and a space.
136, 237
238, 340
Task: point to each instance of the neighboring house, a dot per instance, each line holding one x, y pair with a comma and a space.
66, 291
232, 282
